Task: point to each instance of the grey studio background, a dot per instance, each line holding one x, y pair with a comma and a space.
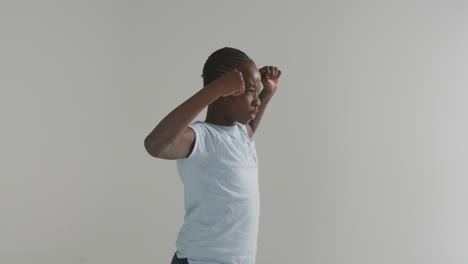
363, 151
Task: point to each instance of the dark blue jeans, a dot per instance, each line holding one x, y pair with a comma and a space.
176, 260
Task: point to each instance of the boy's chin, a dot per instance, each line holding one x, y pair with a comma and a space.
245, 120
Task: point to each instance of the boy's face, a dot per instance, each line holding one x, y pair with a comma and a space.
243, 108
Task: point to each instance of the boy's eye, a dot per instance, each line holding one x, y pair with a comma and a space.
253, 91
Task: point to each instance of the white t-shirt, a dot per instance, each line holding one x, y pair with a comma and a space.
221, 194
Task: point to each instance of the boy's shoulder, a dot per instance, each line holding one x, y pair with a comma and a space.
215, 132
219, 128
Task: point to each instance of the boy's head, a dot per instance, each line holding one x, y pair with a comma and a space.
241, 108
222, 61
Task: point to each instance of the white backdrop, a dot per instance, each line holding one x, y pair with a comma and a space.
363, 151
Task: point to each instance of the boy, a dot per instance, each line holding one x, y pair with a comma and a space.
217, 160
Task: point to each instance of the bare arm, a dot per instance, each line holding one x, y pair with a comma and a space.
171, 138
270, 80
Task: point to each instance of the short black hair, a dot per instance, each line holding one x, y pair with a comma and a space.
222, 61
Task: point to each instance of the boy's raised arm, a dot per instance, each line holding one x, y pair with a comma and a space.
171, 138
270, 81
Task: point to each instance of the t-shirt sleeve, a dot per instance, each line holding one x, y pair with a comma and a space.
204, 143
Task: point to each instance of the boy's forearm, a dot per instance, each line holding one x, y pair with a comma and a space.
175, 123
265, 97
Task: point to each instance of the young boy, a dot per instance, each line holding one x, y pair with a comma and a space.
217, 160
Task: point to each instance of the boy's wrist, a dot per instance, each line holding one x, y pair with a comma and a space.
268, 92
214, 88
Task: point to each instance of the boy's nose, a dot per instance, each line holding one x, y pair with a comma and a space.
256, 102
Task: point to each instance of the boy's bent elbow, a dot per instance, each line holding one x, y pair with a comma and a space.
159, 146
152, 148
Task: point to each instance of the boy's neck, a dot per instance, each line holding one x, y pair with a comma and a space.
218, 118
